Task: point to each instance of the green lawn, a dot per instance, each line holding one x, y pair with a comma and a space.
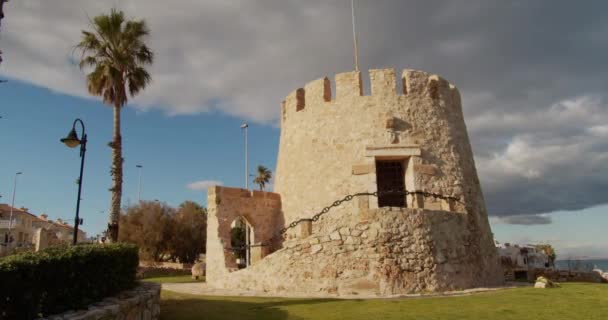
571, 301
172, 279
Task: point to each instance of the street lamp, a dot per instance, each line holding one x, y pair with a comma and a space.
139, 166
10, 219
244, 126
72, 141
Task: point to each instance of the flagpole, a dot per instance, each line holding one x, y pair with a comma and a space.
352, 6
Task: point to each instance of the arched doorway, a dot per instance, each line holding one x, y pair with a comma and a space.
241, 238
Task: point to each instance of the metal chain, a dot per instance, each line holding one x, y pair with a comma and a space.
339, 202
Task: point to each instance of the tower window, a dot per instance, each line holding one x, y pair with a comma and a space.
390, 176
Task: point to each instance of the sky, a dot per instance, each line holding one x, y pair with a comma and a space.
532, 76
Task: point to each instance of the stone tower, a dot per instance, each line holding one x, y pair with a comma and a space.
412, 138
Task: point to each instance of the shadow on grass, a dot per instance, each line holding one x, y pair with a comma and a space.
183, 307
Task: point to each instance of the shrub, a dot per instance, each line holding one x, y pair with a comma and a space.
58, 279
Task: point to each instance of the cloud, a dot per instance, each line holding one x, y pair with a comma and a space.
203, 185
526, 219
555, 158
533, 87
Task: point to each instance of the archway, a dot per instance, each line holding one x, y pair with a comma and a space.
241, 238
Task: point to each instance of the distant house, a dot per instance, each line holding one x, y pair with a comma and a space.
28, 230
62, 230
519, 260
21, 227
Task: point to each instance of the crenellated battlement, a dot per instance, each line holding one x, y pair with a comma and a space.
383, 83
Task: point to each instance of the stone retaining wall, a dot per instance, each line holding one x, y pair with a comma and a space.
140, 303
387, 251
165, 265
567, 276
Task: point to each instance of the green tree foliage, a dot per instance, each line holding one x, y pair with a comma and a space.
189, 232
263, 177
238, 241
163, 232
148, 225
549, 251
116, 54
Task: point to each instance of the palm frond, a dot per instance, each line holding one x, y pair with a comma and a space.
138, 79
116, 52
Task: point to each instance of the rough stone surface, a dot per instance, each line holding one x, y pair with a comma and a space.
435, 257
140, 303
198, 270
262, 210
328, 149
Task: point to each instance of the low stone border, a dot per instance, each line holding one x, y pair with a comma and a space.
140, 303
197, 288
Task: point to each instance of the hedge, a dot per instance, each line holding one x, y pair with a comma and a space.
55, 280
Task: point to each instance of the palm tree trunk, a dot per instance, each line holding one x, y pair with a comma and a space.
116, 190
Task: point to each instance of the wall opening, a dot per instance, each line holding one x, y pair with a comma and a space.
241, 233
390, 176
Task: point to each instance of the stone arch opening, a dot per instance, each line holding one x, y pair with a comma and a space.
241, 239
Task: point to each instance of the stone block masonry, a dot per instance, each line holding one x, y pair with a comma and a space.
393, 251
140, 303
411, 136
261, 210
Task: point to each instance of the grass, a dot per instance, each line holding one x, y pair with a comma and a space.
172, 279
571, 301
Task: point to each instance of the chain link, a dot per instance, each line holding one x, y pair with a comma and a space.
339, 202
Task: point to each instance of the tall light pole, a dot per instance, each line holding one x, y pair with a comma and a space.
139, 166
244, 127
10, 219
72, 141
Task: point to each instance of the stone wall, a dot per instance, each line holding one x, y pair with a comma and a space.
567, 275
141, 303
165, 265
262, 210
382, 252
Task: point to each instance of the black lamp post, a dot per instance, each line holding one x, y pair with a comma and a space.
72, 141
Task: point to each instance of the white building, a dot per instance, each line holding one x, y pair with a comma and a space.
22, 231
517, 260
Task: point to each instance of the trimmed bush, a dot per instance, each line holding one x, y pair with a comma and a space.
58, 279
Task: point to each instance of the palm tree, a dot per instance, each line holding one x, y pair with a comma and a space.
115, 53
264, 176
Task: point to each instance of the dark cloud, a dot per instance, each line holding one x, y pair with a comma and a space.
532, 74
526, 219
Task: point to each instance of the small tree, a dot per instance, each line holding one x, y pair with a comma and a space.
263, 177
549, 251
148, 225
189, 232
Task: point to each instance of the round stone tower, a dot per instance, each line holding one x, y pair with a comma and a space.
332, 146
411, 138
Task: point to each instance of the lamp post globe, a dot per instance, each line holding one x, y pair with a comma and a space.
71, 140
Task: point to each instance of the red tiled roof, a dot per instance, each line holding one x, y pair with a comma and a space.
5, 208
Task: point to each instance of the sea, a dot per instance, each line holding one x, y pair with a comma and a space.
582, 265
